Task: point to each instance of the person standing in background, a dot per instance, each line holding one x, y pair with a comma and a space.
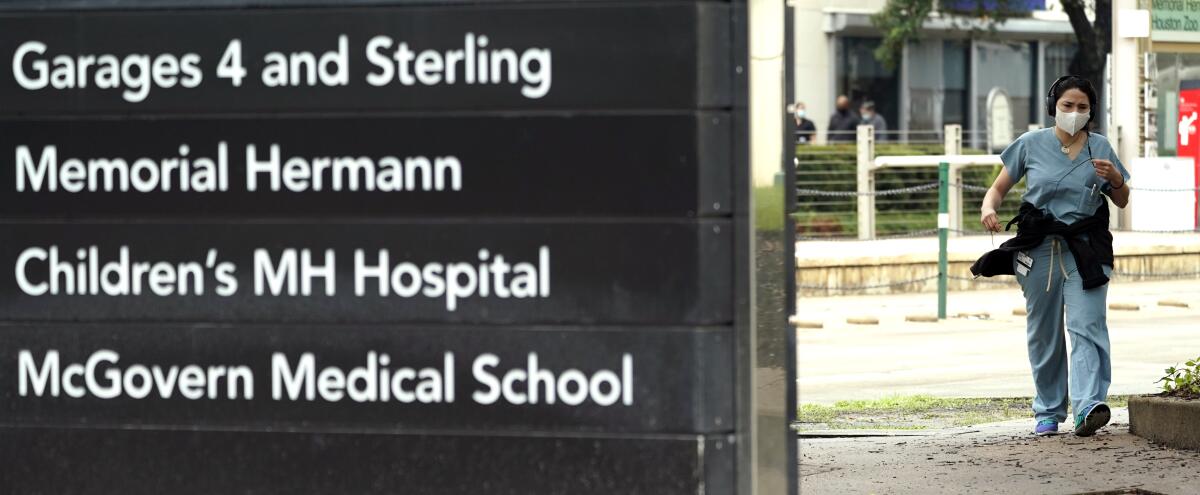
843, 122
806, 131
873, 119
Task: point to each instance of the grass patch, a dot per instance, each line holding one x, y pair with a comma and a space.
918, 412
769, 211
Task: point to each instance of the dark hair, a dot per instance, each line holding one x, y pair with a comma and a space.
1065, 83
869, 105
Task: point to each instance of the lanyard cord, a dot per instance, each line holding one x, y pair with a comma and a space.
1069, 172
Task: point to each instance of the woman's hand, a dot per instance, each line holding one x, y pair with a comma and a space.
1107, 171
989, 220
991, 201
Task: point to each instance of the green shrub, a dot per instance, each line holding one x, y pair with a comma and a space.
1184, 381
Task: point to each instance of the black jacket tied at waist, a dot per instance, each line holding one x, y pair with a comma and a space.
1091, 251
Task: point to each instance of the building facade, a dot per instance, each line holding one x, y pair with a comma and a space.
943, 79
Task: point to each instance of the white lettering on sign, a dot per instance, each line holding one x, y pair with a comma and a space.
347, 173
36, 68
73, 175
49, 271
374, 382
266, 170
473, 64
45, 271
101, 377
102, 374
454, 281
134, 73
533, 384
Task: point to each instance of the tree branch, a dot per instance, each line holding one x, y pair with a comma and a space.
901, 22
1084, 33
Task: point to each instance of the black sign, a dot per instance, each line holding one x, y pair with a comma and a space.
466, 247
652, 56
368, 167
78, 460
443, 271
657, 380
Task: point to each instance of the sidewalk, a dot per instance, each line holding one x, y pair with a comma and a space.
969, 357
996, 458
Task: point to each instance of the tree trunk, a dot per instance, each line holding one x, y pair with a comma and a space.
1095, 40
1094, 44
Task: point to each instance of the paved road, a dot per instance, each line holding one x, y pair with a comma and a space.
963, 357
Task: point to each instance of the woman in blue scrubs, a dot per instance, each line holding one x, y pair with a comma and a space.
1062, 255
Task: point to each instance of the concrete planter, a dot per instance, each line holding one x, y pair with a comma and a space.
1166, 420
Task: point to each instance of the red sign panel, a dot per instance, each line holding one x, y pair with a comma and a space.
1188, 143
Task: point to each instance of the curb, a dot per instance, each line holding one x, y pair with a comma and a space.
864, 433
798, 323
1170, 421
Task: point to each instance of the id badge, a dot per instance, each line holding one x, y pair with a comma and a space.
1024, 259
1024, 263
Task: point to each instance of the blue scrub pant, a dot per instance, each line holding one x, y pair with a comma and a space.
1085, 320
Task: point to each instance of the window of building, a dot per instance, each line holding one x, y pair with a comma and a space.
1173, 70
956, 74
1057, 63
861, 77
1008, 66
937, 86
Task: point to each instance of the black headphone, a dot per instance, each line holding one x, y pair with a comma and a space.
1052, 97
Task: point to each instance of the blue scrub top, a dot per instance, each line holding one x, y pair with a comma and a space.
1055, 182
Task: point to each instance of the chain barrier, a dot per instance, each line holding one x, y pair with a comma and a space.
972, 187
1193, 231
965, 187
927, 232
983, 280
969, 187
932, 232
904, 235
852, 288
1181, 275
1157, 189
886, 192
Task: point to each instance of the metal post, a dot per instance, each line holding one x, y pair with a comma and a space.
766, 448
943, 225
953, 141
866, 182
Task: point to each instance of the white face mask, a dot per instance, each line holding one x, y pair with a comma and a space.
1070, 122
